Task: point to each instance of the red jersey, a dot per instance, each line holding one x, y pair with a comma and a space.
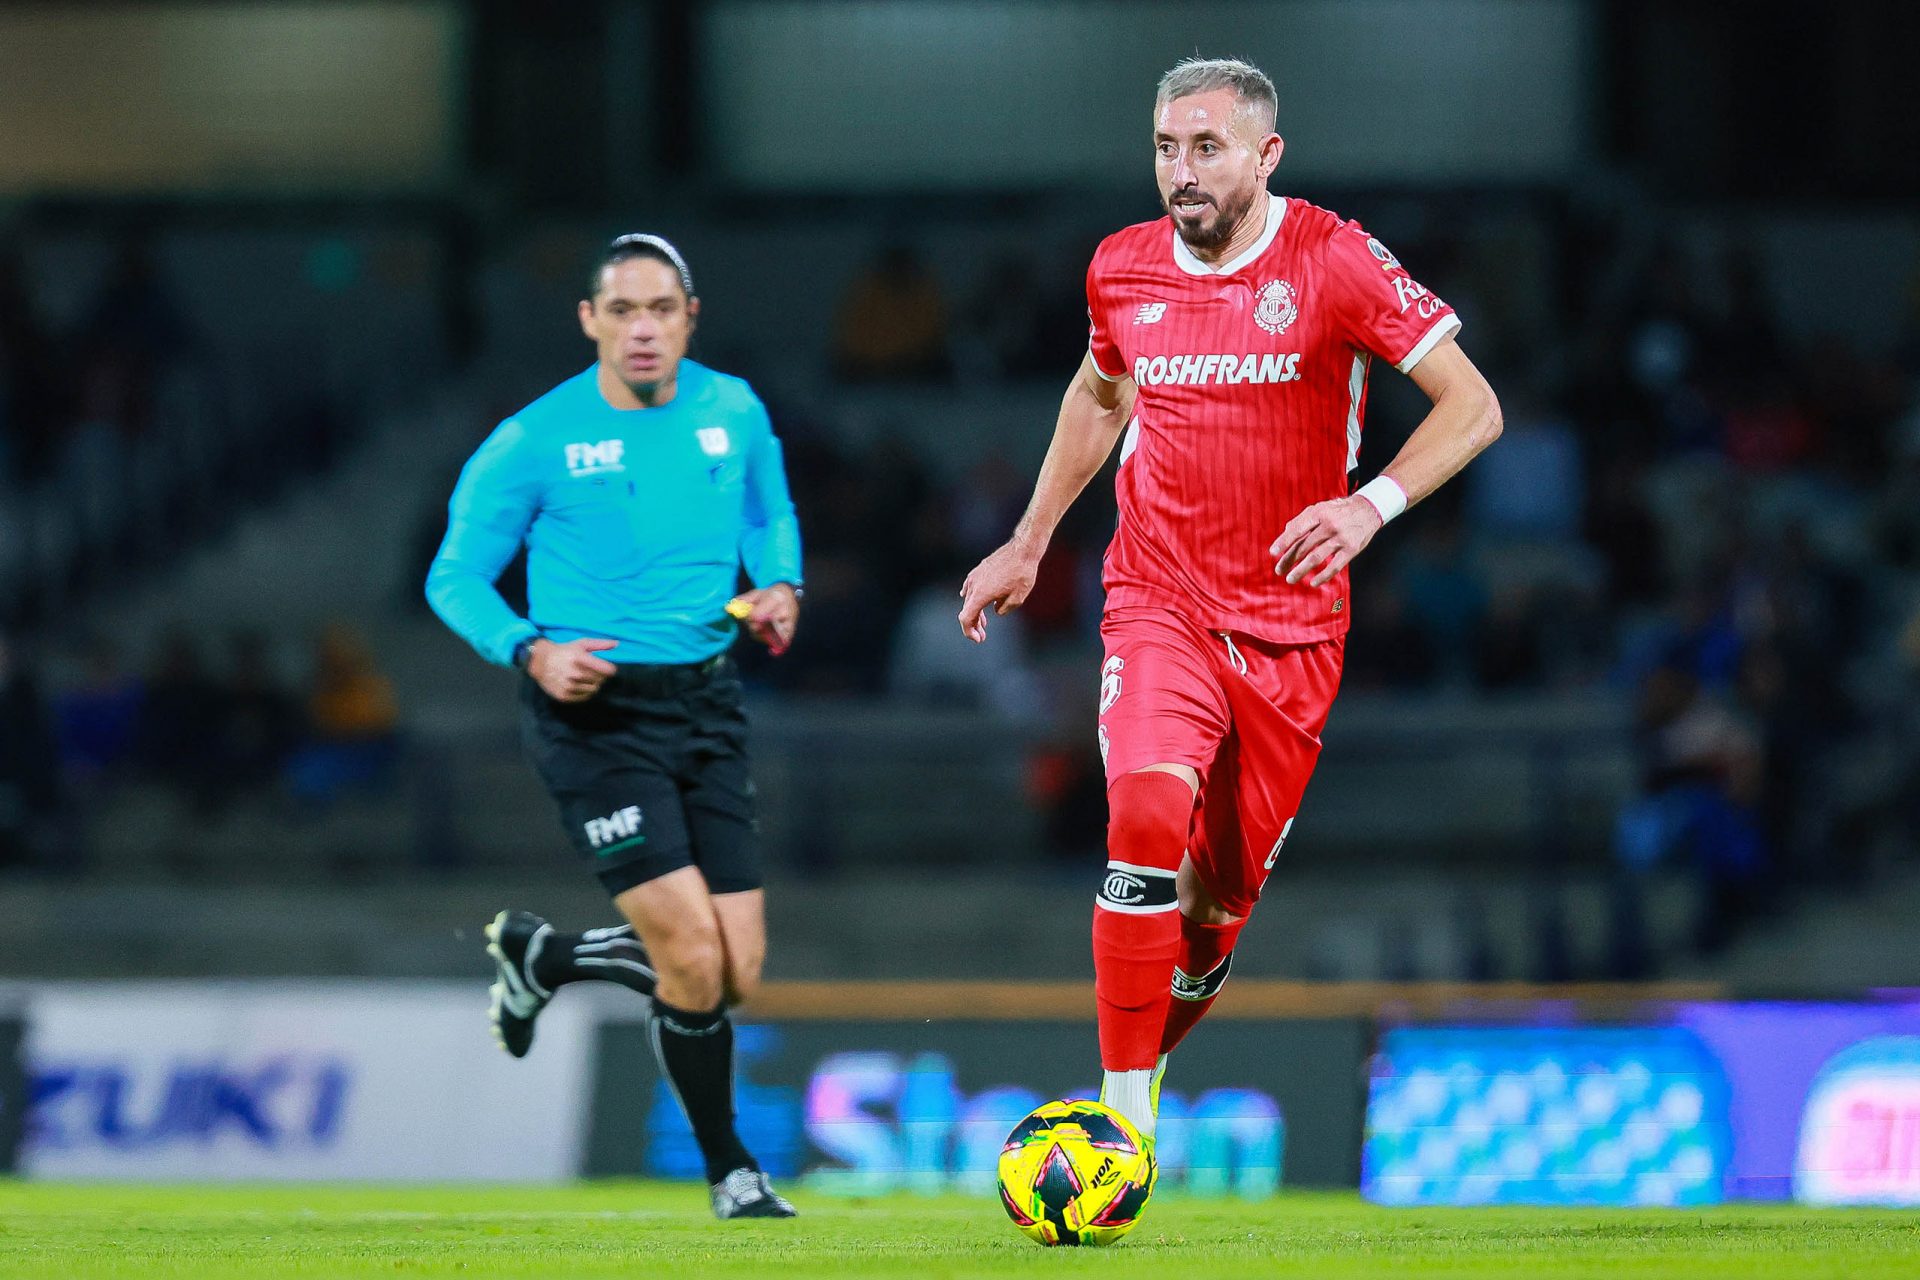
1252, 384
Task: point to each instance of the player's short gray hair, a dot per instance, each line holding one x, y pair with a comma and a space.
1249, 83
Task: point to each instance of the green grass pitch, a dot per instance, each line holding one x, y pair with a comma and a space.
75, 1232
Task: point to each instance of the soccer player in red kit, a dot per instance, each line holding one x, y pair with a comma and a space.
1230, 343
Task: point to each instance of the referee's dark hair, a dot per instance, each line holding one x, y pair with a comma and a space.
640, 244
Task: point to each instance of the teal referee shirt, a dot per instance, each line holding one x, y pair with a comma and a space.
636, 521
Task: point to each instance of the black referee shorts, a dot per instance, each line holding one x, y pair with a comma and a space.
651, 775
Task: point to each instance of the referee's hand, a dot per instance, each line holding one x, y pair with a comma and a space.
569, 672
771, 614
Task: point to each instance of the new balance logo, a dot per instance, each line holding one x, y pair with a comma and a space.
613, 828
1150, 313
595, 459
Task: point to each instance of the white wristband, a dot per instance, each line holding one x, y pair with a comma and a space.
1387, 497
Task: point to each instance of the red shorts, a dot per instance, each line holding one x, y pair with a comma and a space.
1245, 713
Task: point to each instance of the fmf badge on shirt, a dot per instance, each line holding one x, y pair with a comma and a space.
594, 459
713, 441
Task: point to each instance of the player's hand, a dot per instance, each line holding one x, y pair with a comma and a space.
1002, 580
569, 672
770, 615
1322, 540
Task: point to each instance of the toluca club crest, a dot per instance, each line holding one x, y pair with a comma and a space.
1277, 308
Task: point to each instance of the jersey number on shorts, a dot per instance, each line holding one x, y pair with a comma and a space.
1110, 683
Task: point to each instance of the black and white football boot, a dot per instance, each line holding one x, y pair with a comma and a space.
514, 940
746, 1193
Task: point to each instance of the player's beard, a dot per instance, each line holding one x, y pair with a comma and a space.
1226, 221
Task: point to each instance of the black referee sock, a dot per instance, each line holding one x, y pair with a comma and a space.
608, 955
696, 1052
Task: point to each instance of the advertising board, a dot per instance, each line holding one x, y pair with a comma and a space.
1693, 1104
273, 1080
865, 1107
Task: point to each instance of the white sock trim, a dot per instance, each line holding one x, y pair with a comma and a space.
1131, 1094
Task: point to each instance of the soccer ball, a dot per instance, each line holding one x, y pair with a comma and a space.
1075, 1173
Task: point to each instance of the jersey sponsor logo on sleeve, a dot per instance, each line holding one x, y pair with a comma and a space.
596, 459
1277, 308
1413, 294
1220, 369
1150, 313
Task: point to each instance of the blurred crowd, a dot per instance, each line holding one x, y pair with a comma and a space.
1695, 507
124, 438
209, 721
1691, 507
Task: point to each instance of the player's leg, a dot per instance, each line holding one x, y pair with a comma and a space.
718, 799
531, 950
692, 1035
723, 826
1136, 931
532, 960
1208, 930
743, 942
1253, 794
603, 763
1161, 718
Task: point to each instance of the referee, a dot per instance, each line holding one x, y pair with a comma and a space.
640, 488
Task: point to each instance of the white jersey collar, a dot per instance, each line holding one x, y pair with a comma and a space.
1191, 264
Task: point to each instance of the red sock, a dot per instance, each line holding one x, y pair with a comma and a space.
1136, 916
1206, 952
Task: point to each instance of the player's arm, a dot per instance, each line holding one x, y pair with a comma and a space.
1092, 415
769, 545
1465, 418
493, 504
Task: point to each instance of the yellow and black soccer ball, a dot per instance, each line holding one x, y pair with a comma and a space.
1075, 1173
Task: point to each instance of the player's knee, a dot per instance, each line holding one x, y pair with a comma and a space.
1197, 902
692, 968
1206, 911
743, 979
1149, 815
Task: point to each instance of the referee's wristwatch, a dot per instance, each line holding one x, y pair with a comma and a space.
523, 652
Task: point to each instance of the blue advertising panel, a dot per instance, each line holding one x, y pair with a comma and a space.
863, 1108
1702, 1102
1825, 1098
1544, 1116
